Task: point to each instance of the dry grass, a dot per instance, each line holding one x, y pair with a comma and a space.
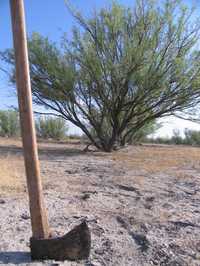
148, 159
155, 159
10, 142
12, 175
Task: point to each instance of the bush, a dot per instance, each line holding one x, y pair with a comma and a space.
192, 137
54, 128
176, 138
160, 140
76, 136
142, 134
9, 123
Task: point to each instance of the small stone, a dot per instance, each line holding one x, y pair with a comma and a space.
132, 220
141, 240
25, 216
2, 201
152, 198
19, 229
69, 172
167, 206
99, 251
148, 206
87, 169
85, 196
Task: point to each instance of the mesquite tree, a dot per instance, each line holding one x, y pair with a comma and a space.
121, 69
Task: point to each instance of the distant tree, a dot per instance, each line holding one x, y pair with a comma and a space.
176, 137
192, 137
50, 127
9, 123
122, 69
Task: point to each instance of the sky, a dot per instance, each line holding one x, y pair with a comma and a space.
51, 18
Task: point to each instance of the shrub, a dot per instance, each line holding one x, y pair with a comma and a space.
75, 136
192, 137
142, 134
9, 123
54, 128
176, 138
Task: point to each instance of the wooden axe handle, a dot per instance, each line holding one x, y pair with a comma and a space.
40, 227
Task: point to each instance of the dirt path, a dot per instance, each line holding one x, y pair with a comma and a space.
141, 204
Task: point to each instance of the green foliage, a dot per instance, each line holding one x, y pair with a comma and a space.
122, 69
142, 134
192, 137
54, 128
9, 123
176, 138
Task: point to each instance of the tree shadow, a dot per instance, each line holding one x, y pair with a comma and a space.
44, 152
15, 257
48, 152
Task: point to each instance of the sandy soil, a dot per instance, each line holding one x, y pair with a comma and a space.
141, 203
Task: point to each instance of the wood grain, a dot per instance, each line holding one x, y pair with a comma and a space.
40, 227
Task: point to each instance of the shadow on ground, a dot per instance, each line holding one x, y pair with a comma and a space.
15, 150
50, 152
14, 257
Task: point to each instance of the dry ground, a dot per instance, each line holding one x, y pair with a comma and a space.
141, 203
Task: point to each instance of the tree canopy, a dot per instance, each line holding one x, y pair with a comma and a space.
121, 69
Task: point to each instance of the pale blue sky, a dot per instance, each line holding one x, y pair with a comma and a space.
51, 18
